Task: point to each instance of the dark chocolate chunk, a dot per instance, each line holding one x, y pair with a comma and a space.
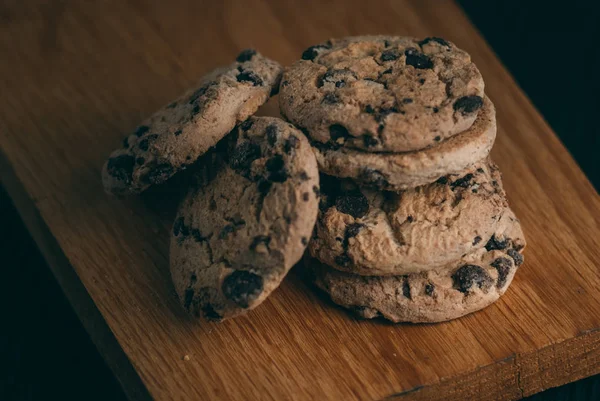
290, 144
462, 182
198, 92
476, 240
352, 230
494, 243
285, 83
271, 134
245, 55
260, 239
407, 100
369, 140
305, 196
178, 132
188, 297
516, 256
303, 176
502, 265
242, 287
264, 186
422, 81
145, 143
249, 76
417, 59
316, 191
225, 231
246, 125
121, 167
434, 39
435, 110
195, 109
406, 288
179, 227
442, 180
342, 260
304, 241
354, 204
480, 170
437, 138
243, 156
198, 235
429, 289
209, 312
469, 275
160, 173
409, 218
330, 98
374, 177
141, 130
468, 104
339, 77
276, 168
390, 55
313, 51
338, 131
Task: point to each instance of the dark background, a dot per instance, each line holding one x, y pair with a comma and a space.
551, 48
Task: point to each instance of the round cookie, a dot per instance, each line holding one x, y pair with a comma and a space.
382, 93
397, 171
473, 283
369, 232
176, 135
237, 235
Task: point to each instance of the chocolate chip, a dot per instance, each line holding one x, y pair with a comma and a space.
442, 180
303, 176
437, 138
480, 170
291, 144
342, 260
276, 168
516, 256
494, 243
469, 275
271, 134
374, 177
462, 182
209, 312
354, 204
390, 55
417, 59
264, 186
226, 230
141, 130
198, 92
145, 143
188, 297
316, 191
339, 77
246, 125
179, 226
434, 39
160, 173
502, 265
352, 231
429, 288
304, 241
242, 287
409, 218
476, 240
369, 140
468, 104
285, 83
243, 156
330, 98
406, 288
435, 110
338, 131
407, 100
305, 196
197, 235
249, 76
121, 167
313, 51
178, 132
245, 55
260, 239
195, 109
388, 71
422, 81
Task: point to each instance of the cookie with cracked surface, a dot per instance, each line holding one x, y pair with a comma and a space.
236, 236
382, 93
369, 232
466, 286
179, 133
398, 171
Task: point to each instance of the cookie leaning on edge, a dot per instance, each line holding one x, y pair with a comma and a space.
236, 237
382, 93
473, 283
398, 171
178, 134
369, 232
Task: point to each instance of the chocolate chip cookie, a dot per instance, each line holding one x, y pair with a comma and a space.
237, 235
397, 171
369, 232
176, 135
382, 93
472, 283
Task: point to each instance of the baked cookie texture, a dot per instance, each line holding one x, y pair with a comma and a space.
398, 171
179, 133
382, 93
239, 232
370, 232
463, 287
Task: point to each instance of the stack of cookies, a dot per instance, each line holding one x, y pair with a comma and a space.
381, 170
414, 224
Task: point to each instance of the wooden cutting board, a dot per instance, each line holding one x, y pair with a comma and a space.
77, 75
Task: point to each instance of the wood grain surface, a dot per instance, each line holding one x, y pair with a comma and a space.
77, 75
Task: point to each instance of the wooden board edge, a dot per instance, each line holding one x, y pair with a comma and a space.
519, 375
80, 300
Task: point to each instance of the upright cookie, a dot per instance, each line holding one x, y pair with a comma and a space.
175, 136
473, 283
397, 171
236, 237
382, 93
370, 232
